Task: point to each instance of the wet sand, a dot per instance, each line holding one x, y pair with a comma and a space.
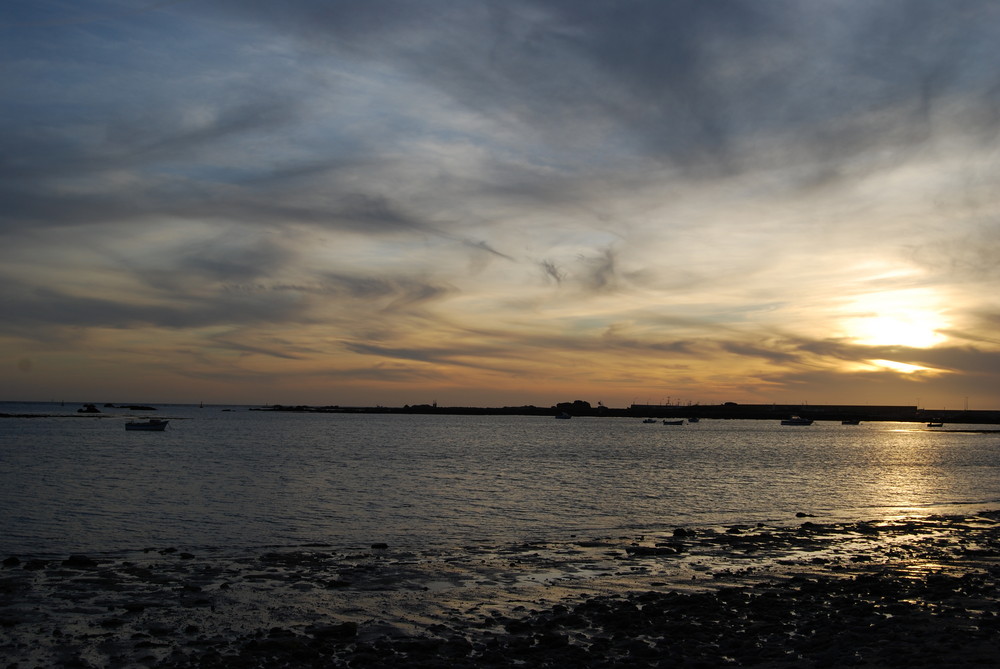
906, 592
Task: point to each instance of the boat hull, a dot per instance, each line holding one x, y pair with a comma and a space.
148, 426
797, 421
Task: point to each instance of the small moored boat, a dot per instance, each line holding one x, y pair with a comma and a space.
152, 425
797, 420
649, 420
935, 424
673, 422
851, 421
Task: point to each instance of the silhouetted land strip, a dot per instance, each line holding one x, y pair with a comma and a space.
729, 410
579, 408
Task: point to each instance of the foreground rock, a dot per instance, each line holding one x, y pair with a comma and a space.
918, 592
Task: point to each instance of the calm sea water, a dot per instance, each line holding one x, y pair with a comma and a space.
243, 478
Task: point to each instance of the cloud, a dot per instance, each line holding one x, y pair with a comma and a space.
625, 194
551, 270
771, 355
685, 82
965, 255
281, 351
28, 310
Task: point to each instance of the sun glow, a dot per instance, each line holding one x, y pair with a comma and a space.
916, 330
900, 318
901, 367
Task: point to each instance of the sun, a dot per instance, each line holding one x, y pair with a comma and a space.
898, 318
913, 330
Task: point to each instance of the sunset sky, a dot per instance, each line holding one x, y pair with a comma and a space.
496, 203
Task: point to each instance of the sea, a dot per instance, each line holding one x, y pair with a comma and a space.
230, 476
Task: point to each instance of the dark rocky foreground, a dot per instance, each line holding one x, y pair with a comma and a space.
801, 622
913, 592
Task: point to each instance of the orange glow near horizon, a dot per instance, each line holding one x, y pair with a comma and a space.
902, 367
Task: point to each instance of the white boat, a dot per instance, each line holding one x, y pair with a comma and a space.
152, 425
797, 420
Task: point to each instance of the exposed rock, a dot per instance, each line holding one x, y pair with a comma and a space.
910, 593
652, 550
79, 562
344, 630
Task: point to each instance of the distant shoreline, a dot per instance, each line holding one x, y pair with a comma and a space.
726, 411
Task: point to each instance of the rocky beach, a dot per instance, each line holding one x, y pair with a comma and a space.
918, 591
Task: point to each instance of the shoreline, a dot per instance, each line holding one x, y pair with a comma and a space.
923, 589
947, 430
850, 414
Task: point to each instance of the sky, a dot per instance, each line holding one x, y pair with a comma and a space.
500, 203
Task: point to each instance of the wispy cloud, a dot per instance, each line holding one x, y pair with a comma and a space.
364, 201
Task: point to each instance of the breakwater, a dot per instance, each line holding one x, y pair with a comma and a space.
726, 411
